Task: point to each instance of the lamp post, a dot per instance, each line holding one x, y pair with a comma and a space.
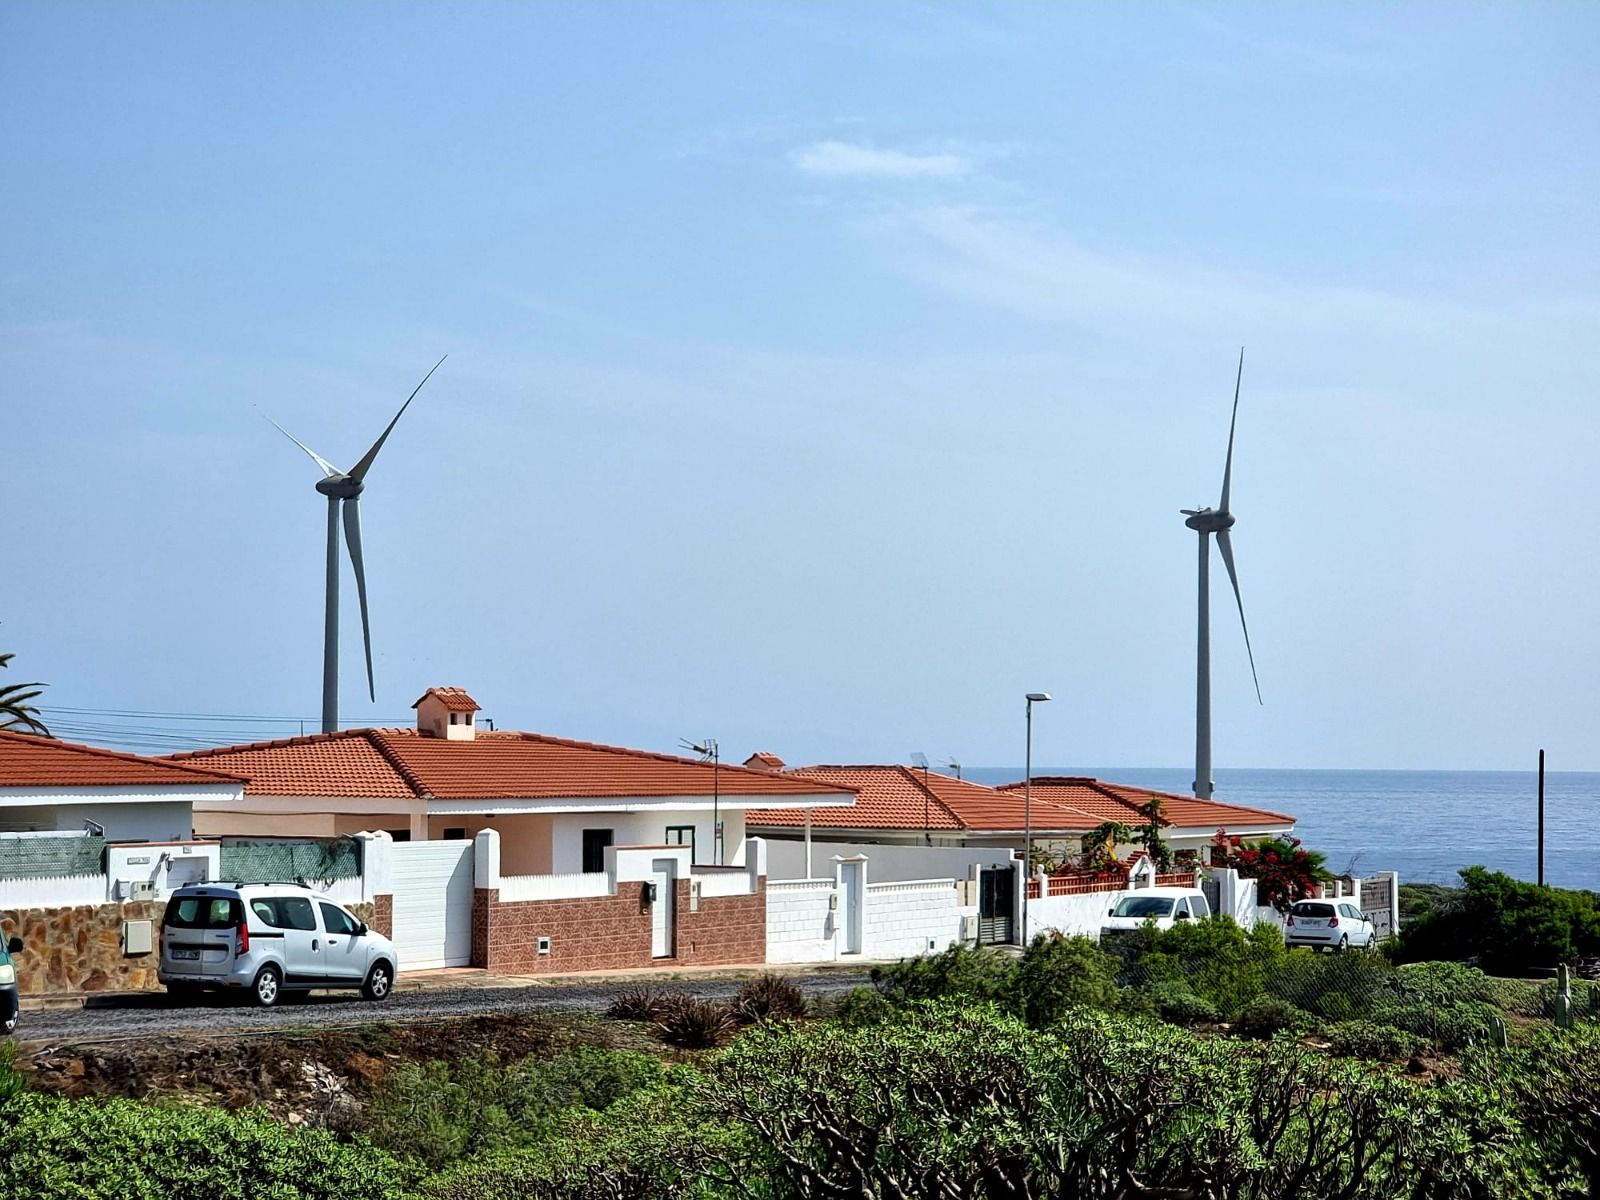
1027, 811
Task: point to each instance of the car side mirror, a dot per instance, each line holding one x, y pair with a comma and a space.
361, 928
14, 946
1111, 912
1183, 916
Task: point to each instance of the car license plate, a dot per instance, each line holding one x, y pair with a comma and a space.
193, 955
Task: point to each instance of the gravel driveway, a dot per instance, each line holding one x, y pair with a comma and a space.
153, 1014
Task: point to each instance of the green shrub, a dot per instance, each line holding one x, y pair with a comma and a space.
1585, 999
438, 1115
1512, 927
1264, 1017
1174, 1002
1440, 983
961, 972
1057, 974
1370, 1040
1448, 1026
1213, 959
11, 1079
52, 1148
1335, 987
862, 1006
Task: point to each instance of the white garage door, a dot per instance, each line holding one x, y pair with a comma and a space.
433, 904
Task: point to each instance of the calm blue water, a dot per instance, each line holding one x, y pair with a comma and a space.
1424, 824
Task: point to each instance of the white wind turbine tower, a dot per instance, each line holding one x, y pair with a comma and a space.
1205, 522
346, 487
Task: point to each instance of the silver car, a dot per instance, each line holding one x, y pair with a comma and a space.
266, 939
1328, 925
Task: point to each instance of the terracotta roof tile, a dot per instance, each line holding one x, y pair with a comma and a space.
29, 760
454, 699
1121, 802
899, 797
402, 764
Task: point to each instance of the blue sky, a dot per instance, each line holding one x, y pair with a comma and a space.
822, 377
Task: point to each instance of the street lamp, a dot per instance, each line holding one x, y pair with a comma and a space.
1027, 812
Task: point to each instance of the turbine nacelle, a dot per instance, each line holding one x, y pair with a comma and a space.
1207, 520
341, 487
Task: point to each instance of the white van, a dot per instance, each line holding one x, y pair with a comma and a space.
1166, 906
267, 939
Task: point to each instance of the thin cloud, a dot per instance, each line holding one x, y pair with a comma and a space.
845, 159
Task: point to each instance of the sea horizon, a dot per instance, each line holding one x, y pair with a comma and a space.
1424, 824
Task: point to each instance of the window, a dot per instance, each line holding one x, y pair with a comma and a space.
294, 912
201, 912
682, 835
1201, 908
336, 920
1181, 909
1144, 907
399, 835
266, 911
595, 842
455, 834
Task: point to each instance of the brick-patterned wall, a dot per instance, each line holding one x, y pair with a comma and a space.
599, 933
383, 914
79, 949
728, 930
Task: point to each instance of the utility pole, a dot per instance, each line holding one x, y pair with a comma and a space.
1541, 818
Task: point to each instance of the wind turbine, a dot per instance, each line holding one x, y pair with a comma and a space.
345, 487
1205, 522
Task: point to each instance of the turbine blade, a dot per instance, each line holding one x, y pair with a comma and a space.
1226, 545
1227, 470
352, 537
359, 471
329, 471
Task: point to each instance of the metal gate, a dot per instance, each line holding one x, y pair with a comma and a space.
432, 904
997, 904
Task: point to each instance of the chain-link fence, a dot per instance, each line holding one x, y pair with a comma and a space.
34, 857
314, 860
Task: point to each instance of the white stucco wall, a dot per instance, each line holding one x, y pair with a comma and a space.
889, 863
125, 820
901, 920
643, 829
1070, 915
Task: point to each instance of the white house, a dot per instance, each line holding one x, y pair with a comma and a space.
557, 804
50, 786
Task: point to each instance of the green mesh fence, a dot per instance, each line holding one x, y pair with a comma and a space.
264, 861
35, 857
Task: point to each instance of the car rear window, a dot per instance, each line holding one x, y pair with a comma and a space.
1145, 906
284, 912
1306, 909
201, 912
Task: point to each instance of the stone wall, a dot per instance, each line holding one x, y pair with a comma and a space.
599, 933
67, 950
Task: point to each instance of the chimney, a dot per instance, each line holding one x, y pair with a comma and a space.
447, 712
764, 760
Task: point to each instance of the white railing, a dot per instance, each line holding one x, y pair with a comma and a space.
798, 885
554, 887
53, 891
723, 883
912, 885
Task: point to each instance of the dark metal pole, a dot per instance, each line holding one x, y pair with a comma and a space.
1541, 818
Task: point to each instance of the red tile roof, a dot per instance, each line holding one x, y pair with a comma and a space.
29, 760
1121, 802
503, 765
455, 699
898, 797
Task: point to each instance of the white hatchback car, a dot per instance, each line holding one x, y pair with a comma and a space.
1328, 925
268, 939
1166, 906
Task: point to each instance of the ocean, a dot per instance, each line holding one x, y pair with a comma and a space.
1426, 825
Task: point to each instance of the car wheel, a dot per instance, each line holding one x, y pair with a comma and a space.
268, 987
1344, 944
380, 981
